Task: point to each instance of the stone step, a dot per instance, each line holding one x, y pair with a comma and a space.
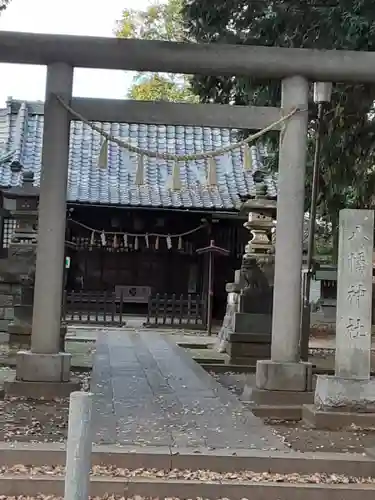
194, 459
17, 485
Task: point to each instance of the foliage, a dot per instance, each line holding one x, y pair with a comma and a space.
157, 87
159, 21
348, 148
3, 5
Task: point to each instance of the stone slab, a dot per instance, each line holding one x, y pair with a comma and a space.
247, 323
34, 367
19, 329
258, 338
277, 376
150, 392
288, 413
41, 390
335, 420
282, 398
335, 393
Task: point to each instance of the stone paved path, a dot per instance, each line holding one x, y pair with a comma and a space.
150, 392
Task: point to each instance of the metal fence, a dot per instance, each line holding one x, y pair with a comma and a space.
177, 310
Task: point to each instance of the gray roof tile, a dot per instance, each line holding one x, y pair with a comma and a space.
116, 185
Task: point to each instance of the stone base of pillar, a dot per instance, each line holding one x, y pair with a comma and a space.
47, 391
280, 405
42, 376
35, 367
278, 376
335, 420
343, 394
341, 402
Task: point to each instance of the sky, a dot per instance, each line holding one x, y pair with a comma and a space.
70, 17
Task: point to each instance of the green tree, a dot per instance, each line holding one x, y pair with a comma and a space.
348, 148
3, 5
159, 21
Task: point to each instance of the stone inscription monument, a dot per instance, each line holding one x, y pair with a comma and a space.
350, 391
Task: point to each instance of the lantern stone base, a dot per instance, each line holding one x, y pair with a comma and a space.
44, 376
279, 376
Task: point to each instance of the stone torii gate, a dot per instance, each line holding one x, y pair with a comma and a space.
44, 364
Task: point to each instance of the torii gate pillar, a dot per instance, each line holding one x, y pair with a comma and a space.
45, 371
285, 371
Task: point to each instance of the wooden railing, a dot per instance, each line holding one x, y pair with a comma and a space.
176, 310
94, 307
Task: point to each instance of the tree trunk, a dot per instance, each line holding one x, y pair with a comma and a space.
335, 238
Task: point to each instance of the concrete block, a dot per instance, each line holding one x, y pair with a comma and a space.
249, 349
8, 313
257, 323
336, 393
34, 367
278, 376
5, 288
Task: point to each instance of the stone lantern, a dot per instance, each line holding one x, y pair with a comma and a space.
17, 271
246, 331
258, 261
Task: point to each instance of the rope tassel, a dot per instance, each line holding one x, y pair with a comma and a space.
140, 172
176, 179
247, 159
169, 242
103, 239
103, 155
212, 174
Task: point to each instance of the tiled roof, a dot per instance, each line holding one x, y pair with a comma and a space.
21, 127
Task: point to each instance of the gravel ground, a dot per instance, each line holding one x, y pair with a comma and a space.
188, 475
299, 437
36, 421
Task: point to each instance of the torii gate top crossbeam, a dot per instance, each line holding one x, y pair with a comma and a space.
188, 58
